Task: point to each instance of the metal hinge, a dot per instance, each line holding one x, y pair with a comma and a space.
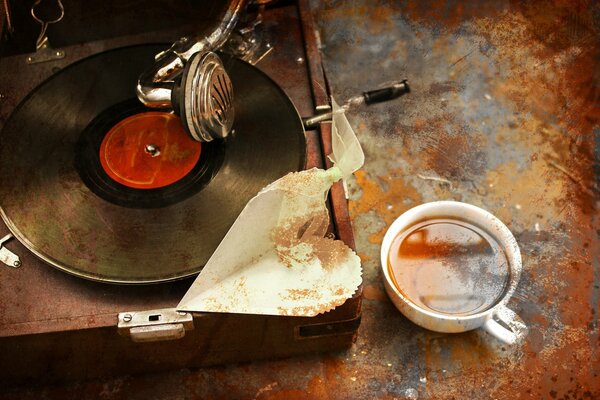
6, 256
155, 325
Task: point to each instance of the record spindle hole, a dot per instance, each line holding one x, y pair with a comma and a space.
152, 149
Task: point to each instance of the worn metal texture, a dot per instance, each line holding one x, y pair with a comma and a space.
504, 114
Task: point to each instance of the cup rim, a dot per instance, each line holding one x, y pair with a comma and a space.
507, 241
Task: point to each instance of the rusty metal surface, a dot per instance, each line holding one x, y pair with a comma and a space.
504, 114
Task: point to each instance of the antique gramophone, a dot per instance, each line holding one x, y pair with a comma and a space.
62, 99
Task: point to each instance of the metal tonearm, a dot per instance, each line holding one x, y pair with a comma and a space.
155, 85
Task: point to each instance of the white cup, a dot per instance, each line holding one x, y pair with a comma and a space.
498, 320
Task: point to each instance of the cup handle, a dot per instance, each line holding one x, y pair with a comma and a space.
509, 336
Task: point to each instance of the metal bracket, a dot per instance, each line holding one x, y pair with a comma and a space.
155, 325
45, 53
6, 256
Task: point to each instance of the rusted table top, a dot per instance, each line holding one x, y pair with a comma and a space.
504, 114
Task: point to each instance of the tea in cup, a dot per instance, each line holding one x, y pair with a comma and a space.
452, 267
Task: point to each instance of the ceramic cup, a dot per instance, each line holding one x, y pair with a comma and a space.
498, 319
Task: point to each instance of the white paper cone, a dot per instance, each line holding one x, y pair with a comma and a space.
275, 259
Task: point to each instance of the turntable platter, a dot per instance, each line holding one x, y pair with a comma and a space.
52, 202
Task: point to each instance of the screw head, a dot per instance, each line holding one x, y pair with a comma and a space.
127, 317
17, 263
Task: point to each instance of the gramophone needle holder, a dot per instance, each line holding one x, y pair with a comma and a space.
202, 96
190, 79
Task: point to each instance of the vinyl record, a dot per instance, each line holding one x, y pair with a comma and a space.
60, 204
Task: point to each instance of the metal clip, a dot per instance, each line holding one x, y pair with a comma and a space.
6, 256
155, 325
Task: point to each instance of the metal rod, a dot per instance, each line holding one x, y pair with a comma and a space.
9, 24
374, 96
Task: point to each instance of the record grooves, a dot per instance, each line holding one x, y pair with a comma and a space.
58, 201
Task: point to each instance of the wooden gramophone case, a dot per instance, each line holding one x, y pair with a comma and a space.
56, 327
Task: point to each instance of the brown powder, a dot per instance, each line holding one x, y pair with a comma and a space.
299, 294
310, 231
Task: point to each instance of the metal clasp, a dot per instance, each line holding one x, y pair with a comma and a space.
6, 256
155, 325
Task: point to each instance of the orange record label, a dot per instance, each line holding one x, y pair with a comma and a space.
148, 151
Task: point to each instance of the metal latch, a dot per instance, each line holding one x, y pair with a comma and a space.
155, 325
6, 256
